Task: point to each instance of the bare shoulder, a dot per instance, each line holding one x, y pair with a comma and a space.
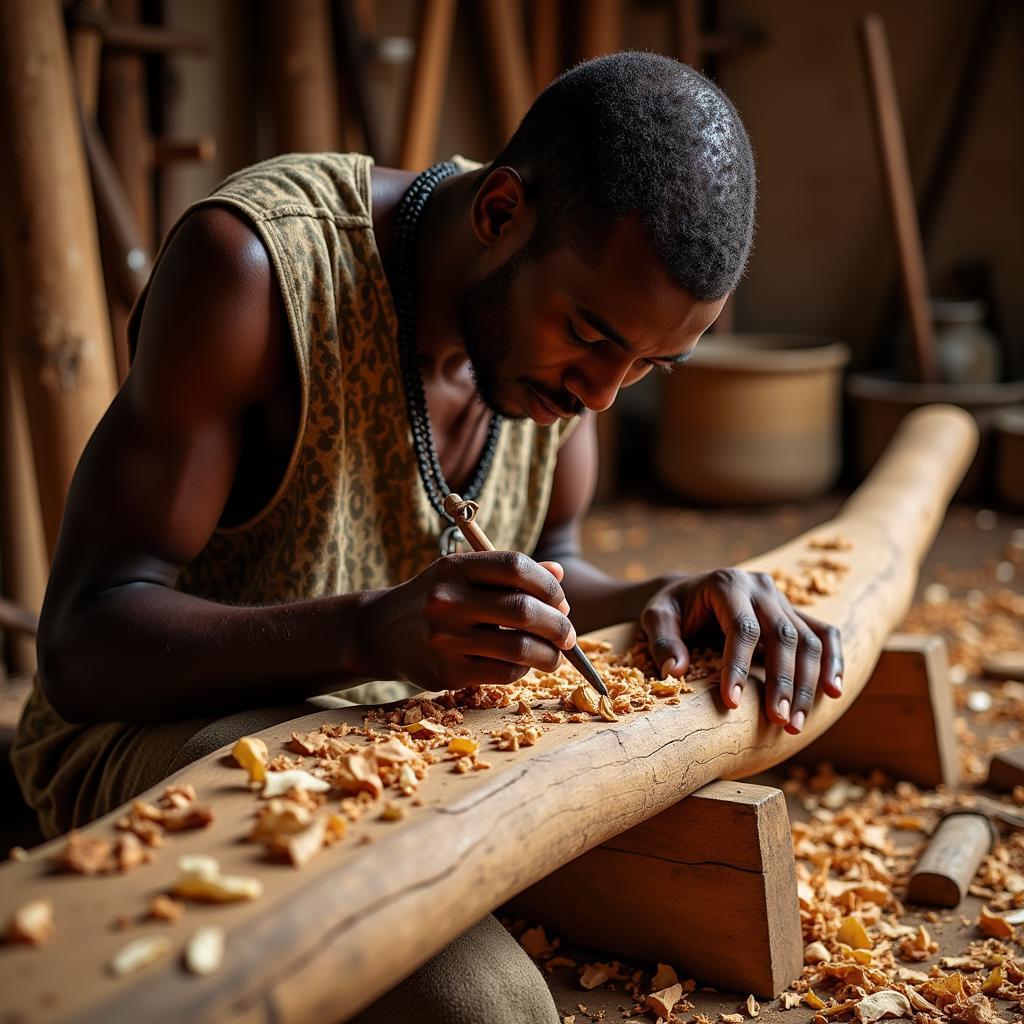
212, 326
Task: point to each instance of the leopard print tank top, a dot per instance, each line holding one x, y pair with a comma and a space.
351, 512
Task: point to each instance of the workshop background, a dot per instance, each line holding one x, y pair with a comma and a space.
885, 275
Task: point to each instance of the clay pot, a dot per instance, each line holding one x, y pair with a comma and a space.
880, 401
752, 418
1009, 429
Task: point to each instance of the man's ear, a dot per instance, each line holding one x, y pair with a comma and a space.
500, 206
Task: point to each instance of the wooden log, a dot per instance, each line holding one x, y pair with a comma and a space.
325, 941
427, 84
305, 80
899, 191
1006, 769
944, 872
23, 564
507, 63
48, 236
902, 722
708, 885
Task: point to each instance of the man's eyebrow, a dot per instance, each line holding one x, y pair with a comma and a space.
602, 326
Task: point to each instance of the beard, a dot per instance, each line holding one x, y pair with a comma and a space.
483, 321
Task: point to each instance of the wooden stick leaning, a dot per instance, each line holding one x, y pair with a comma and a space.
323, 942
464, 514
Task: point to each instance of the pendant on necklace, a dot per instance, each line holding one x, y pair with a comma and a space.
450, 540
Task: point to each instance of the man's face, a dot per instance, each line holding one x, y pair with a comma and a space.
552, 336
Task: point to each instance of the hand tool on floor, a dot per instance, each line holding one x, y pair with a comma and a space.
464, 514
951, 859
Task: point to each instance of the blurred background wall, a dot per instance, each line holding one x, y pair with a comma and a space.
824, 261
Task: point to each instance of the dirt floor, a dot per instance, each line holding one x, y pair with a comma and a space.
970, 556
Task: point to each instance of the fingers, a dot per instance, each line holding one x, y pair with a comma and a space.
830, 678
660, 622
511, 570
780, 638
507, 645
522, 612
734, 611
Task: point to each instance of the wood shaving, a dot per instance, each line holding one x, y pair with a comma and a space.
200, 879
139, 954
664, 1000
32, 922
251, 754
163, 908
204, 953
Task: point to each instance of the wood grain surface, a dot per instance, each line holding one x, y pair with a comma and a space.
325, 941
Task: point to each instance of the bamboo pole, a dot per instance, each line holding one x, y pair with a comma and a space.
86, 42
427, 84
48, 235
600, 29
545, 41
899, 191
321, 943
22, 547
507, 61
305, 80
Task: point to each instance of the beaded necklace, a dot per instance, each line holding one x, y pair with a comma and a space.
407, 223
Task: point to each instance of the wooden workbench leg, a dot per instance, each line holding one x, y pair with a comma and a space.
708, 886
902, 722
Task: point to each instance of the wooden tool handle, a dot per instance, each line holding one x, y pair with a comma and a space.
899, 191
950, 861
464, 514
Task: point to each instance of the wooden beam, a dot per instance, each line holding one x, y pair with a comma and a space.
545, 41
300, 44
48, 238
600, 28
323, 942
902, 722
507, 62
1006, 769
427, 84
899, 191
708, 886
86, 44
23, 565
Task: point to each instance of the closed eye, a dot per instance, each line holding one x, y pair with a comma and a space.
575, 338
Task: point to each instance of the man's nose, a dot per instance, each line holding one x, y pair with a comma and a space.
597, 387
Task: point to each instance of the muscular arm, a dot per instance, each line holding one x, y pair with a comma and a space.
116, 641
597, 599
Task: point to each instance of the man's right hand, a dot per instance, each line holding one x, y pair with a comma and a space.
440, 629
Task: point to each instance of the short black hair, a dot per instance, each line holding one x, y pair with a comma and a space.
639, 132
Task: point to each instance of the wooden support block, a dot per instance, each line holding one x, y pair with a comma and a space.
708, 886
902, 721
1006, 769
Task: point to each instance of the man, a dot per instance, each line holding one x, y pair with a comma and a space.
257, 518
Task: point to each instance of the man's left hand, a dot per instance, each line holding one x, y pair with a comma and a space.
800, 654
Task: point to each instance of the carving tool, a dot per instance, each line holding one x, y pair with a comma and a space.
464, 514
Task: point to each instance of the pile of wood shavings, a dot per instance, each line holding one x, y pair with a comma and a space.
979, 615
818, 575
854, 856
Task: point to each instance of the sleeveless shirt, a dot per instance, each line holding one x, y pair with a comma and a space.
351, 512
